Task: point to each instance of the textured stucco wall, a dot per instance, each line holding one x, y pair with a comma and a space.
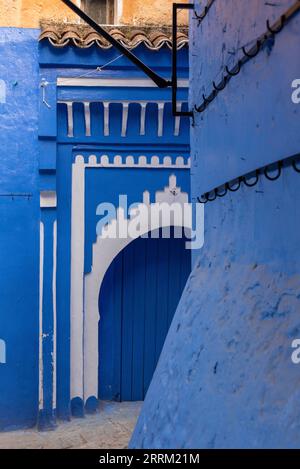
244, 127
150, 12
28, 13
19, 227
225, 378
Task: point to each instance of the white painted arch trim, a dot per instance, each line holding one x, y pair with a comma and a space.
85, 291
105, 250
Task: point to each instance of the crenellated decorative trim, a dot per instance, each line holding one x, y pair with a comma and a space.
119, 161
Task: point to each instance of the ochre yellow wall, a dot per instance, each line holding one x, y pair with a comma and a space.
28, 13
151, 12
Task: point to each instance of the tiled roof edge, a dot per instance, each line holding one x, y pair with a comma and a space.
82, 36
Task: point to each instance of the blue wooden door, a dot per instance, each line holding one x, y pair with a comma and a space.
137, 302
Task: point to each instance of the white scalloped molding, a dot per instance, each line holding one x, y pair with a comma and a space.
128, 161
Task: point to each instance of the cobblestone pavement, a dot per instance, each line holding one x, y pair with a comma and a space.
110, 428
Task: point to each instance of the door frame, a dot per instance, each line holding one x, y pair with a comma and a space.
85, 289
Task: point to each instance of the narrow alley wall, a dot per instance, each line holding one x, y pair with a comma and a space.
225, 377
21, 268
19, 228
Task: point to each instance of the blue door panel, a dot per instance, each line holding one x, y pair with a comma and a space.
127, 323
150, 311
110, 339
138, 320
162, 323
138, 299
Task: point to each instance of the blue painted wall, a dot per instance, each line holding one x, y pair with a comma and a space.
19, 227
254, 121
225, 378
101, 186
35, 158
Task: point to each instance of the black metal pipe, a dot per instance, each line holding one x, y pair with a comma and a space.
174, 60
158, 80
176, 7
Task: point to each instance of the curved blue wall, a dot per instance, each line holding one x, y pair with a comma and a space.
225, 378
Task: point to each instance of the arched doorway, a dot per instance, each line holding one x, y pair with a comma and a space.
137, 300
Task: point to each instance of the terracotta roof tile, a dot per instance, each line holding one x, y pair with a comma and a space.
79, 35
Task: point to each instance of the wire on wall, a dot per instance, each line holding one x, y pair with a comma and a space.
205, 11
13, 196
44, 83
271, 32
271, 172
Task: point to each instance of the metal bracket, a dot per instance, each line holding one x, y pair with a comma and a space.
176, 7
157, 79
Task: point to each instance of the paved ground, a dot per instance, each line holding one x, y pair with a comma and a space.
110, 428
